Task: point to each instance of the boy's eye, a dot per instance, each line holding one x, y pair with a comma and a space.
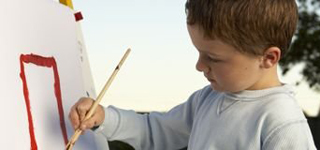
213, 59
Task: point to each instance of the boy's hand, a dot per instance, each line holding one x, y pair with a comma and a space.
79, 111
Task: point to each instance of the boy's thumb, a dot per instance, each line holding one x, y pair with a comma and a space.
88, 124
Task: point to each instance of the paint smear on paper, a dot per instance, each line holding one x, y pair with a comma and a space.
48, 62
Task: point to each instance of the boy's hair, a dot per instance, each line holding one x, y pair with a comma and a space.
251, 26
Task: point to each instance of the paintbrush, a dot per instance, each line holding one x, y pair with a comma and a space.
78, 132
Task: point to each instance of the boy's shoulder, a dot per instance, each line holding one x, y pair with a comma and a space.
207, 94
203, 96
280, 110
281, 105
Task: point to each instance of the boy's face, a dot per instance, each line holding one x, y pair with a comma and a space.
225, 68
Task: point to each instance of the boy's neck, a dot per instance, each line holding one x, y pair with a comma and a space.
268, 79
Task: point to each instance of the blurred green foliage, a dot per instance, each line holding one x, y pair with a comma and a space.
305, 47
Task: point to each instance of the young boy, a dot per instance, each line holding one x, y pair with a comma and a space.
245, 107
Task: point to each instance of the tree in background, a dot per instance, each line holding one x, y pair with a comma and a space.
306, 44
306, 49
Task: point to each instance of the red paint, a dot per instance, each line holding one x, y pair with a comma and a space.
43, 62
78, 16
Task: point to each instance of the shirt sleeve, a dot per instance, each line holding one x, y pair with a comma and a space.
295, 135
154, 131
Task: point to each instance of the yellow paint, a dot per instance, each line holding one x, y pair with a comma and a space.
67, 3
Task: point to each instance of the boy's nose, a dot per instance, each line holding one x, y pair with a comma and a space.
200, 66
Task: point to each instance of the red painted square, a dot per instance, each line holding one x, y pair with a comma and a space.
48, 62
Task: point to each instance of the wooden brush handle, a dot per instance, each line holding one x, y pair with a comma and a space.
78, 132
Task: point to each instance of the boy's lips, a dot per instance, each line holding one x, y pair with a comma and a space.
209, 79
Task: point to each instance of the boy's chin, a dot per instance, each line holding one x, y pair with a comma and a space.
218, 88
215, 87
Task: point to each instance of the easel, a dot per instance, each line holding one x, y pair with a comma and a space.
87, 76
67, 3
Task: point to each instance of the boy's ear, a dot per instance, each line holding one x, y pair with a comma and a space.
271, 57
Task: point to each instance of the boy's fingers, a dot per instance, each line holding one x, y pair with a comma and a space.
82, 111
99, 115
83, 106
74, 118
88, 124
78, 111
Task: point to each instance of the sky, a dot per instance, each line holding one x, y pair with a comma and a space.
160, 71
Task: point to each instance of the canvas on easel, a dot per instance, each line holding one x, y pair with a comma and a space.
44, 72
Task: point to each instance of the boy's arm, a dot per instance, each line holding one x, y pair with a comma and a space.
156, 131
294, 135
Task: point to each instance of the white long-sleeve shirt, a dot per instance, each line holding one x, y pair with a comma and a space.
268, 119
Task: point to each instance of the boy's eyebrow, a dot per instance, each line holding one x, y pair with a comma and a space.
216, 55
208, 52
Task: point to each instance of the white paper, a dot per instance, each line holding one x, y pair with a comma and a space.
48, 29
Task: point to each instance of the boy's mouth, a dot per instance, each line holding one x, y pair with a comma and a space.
210, 80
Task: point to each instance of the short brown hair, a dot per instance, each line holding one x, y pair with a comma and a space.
251, 26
